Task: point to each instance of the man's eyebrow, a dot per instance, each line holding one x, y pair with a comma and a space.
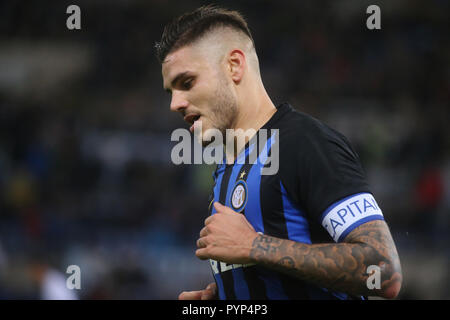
176, 79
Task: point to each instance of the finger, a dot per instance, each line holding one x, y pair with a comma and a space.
204, 232
213, 287
220, 208
209, 220
208, 294
202, 253
190, 295
201, 243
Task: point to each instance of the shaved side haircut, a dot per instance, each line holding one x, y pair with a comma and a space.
192, 26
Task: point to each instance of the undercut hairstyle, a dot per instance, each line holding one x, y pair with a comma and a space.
191, 26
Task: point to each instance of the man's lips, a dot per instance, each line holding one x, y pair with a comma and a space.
191, 119
191, 129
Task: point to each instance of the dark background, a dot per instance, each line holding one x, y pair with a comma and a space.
85, 170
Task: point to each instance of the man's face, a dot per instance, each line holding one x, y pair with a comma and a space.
200, 90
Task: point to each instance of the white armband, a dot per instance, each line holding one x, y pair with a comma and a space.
348, 213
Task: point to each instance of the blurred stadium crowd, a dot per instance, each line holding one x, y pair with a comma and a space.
85, 170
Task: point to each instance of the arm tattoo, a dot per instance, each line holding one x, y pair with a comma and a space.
337, 266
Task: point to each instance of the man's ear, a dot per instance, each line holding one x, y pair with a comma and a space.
237, 64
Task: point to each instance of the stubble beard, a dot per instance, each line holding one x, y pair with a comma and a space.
223, 112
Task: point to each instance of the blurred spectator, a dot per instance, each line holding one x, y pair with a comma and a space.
52, 283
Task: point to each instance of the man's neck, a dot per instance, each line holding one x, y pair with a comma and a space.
251, 119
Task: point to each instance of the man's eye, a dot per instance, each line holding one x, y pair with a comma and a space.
187, 84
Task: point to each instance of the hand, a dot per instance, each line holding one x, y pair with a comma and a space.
209, 293
227, 236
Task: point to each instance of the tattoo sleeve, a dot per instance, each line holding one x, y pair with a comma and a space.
337, 266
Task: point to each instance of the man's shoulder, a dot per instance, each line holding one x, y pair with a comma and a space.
297, 127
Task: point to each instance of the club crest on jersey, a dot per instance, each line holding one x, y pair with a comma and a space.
239, 196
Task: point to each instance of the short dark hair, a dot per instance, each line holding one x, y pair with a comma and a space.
190, 26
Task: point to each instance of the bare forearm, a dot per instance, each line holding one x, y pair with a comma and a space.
341, 266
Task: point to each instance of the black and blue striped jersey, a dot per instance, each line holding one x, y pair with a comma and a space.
319, 194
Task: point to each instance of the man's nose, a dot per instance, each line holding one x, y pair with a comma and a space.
178, 102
